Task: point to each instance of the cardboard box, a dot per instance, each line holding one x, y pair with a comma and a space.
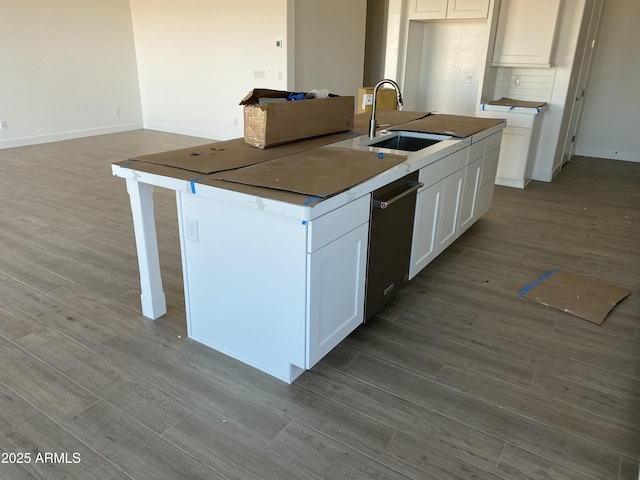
268, 124
387, 99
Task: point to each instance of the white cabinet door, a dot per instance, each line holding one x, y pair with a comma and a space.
473, 175
428, 9
485, 198
450, 213
468, 9
441, 9
425, 228
336, 275
512, 163
525, 34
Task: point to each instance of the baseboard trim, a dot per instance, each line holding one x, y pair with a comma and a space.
60, 136
608, 154
509, 182
189, 131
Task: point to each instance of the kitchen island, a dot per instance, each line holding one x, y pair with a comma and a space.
274, 269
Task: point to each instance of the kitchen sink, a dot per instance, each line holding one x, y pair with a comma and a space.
406, 141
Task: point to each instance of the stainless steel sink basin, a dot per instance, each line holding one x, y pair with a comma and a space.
406, 141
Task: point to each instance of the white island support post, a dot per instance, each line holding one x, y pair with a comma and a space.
153, 300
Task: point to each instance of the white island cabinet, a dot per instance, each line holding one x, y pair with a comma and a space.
457, 191
273, 291
278, 284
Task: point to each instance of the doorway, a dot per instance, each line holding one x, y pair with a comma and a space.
587, 48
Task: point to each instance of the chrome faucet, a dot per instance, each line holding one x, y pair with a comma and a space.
373, 125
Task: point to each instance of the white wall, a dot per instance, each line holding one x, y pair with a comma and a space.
65, 67
439, 56
376, 42
610, 124
329, 42
198, 58
554, 123
535, 84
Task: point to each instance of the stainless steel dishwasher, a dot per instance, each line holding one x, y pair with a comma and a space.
390, 234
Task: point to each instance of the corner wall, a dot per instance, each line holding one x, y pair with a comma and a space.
609, 126
330, 42
68, 70
198, 58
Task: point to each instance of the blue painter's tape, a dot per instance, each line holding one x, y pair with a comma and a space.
304, 222
483, 107
126, 165
538, 109
380, 154
193, 184
310, 200
538, 281
512, 107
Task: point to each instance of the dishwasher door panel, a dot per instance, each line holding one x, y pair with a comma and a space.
390, 236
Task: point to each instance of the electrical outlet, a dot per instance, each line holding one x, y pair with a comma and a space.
468, 77
117, 112
3, 125
191, 227
259, 74
515, 80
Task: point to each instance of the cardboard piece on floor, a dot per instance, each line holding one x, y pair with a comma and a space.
575, 294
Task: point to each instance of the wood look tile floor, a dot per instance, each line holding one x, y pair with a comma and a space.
458, 378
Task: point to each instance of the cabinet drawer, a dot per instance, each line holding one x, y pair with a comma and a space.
476, 150
338, 222
443, 168
493, 142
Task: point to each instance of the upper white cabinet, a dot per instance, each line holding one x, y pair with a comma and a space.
526, 32
467, 8
428, 9
448, 9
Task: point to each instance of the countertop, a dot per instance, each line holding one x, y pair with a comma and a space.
511, 105
201, 170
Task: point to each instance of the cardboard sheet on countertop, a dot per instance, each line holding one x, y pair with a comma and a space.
455, 125
158, 169
261, 192
385, 119
232, 154
319, 173
512, 102
203, 168
575, 294
199, 179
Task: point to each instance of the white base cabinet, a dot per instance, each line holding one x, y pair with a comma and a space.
336, 285
519, 145
461, 194
424, 247
450, 213
274, 292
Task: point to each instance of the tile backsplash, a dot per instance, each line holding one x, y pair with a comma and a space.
535, 84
